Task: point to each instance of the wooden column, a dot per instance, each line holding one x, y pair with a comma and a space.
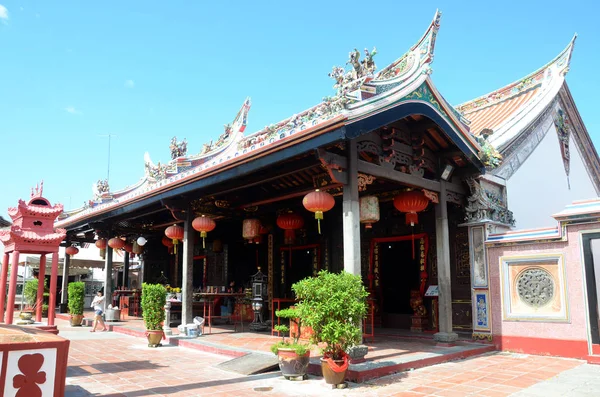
53, 282
445, 334
40, 291
3, 277
351, 217
108, 263
12, 287
126, 270
188, 269
64, 296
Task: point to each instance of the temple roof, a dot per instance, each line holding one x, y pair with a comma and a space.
508, 110
24, 209
18, 235
4, 222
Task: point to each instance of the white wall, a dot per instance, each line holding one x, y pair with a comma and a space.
538, 189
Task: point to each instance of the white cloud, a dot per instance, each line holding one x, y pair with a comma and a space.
129, 84
3, 13
72, 110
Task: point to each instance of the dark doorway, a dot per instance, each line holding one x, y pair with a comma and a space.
591, 253
399, 275
299, 264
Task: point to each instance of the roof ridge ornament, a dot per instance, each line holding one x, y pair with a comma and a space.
39, 190
347, 81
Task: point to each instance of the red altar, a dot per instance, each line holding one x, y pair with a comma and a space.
32, 232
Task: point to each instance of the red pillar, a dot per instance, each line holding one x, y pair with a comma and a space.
12, 287
40, 291
53, 281
3, 275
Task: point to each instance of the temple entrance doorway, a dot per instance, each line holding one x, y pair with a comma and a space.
397, 263
298, 262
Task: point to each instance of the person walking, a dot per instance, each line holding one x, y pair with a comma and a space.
97, 304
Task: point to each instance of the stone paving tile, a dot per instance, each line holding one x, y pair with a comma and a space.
103, 365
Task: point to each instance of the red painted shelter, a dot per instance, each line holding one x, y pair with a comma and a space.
32, 232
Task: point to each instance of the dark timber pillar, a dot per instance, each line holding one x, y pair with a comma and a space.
65, 284
126, 270
108, 264
351, 217
445, 335
187, 269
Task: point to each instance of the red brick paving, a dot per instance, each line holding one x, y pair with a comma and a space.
125, 366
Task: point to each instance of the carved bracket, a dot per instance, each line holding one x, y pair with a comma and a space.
364, 180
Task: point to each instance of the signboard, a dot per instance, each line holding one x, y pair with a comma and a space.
432, 290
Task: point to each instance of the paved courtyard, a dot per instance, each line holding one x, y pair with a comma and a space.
111, 364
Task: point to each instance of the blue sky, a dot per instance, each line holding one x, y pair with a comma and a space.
144, 71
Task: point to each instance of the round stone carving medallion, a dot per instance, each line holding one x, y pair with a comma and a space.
535, 287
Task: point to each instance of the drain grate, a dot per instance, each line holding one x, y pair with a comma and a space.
263, 388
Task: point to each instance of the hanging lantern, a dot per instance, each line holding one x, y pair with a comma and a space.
103, 253
217, 246
72, 251
369, 211
411, 202
101, 243
290, 222
175, 233
128, 247
137, 248
141, 241
318, 202
116, 243
168, 243
203, 225
250, 229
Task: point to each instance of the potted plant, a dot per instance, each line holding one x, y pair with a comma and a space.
294, 357
333, 305
76, 294
30, 296
153, 310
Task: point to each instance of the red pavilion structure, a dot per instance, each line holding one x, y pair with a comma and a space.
32, 232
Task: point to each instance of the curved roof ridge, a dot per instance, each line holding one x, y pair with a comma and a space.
563, 60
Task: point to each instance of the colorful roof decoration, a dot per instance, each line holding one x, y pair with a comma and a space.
507, 111
33, 225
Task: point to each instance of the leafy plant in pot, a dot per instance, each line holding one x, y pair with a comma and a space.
153, 309
294, 356
76, 294
333, 305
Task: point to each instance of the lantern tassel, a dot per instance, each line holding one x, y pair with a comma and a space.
413, 242
319, 225
203, 235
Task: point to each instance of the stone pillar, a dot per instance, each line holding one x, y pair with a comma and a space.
64, 296
187, 269
108, 263
53, 282
126, 270
142, 270
3, 277
40, 292
445, 334
167, 322
351, 216
12, 287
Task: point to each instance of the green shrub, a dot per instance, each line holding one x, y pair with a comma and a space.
333, 305
76, 296
30, 292
153, 305
293, 315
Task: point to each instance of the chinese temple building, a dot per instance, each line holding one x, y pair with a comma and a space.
410, 188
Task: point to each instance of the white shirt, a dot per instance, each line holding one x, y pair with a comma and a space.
97, 302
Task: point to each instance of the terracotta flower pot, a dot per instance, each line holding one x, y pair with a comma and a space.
291, 364
76, 320
332, 377
154, 338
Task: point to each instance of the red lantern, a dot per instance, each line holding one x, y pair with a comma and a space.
101, 243
175, 233
168, 243
136, 248
203, 225
116, 243
128, 247
318, 202
290, 222
250, 229
411, 202
72, 251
